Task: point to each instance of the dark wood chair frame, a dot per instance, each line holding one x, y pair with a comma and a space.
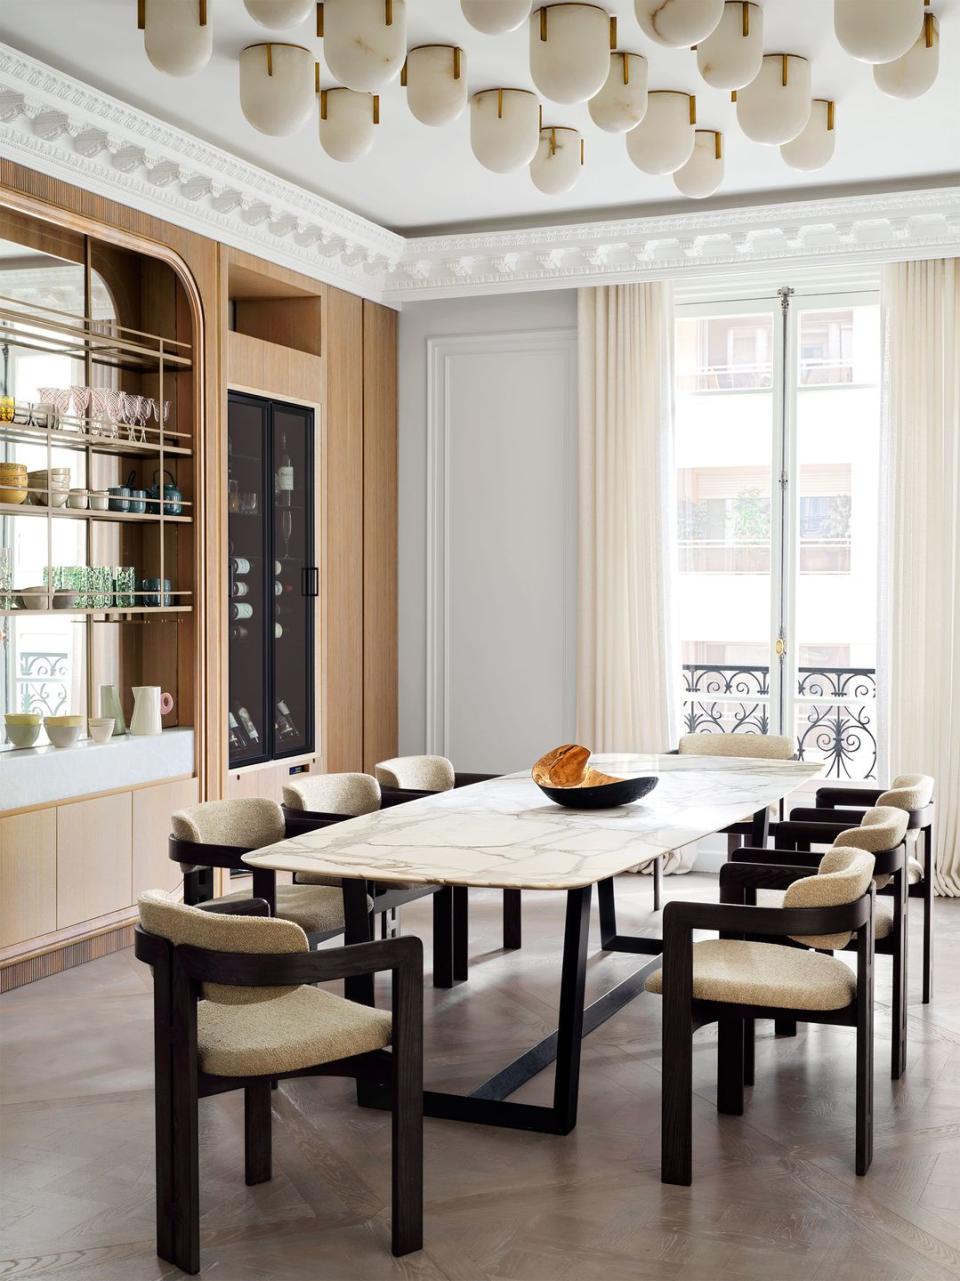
846, 805
178, 973
735, 917
512, 904
793, 848
198, 889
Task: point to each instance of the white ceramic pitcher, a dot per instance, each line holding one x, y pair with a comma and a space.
149, 704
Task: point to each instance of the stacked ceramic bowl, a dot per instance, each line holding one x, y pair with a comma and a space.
49, 488
13, 482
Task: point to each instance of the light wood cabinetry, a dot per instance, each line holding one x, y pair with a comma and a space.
28, 876
94, 847
152, 807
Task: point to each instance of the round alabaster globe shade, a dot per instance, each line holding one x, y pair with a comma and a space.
436, 94
877, 30
728, 59
769, 110
556, 166
622, 102
361, 50
915, 72
347, 124
664, 138
814, 145
703, 172
572, 63
173, 38
494, 17
279, 14
504, 140
277, 87
678, 23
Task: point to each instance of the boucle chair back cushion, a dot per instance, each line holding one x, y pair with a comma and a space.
247, 822
351, 794
772, 747
909, 792
421, 773
843, 876
183, 925
882, 828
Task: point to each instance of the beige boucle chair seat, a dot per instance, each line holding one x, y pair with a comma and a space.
774, 747
769, 974
300, 1029
314, 908
417, 773
882, 914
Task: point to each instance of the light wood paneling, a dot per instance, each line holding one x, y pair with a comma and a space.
28, 876
94, 846
289, 322
379, 534
255, 365
342, 656
152, 807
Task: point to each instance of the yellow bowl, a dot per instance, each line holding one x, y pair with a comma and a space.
12, 495
63, 720
22, 718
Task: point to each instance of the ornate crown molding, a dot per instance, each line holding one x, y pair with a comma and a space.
61, 126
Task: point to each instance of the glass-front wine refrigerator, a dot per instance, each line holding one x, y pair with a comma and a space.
273, 580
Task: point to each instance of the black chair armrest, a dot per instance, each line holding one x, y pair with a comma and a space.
238, 907
298, 822
787, 833
859, 797
464, 780
838, 816
282, 969
390, 796
776, 857
682, 917
739, 876
201, 854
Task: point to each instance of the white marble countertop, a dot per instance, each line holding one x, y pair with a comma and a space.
42, 775
506, 834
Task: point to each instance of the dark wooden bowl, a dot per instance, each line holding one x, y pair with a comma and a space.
607, 797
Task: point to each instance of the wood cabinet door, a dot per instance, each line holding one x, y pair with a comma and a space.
152, 807
28, 876
93, 858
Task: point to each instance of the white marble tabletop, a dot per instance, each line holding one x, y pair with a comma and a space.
506, 834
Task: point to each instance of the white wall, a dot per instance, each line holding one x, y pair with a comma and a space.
493, 474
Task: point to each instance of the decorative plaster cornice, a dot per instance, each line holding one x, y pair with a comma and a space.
54, 123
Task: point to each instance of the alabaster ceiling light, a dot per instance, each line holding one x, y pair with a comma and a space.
703, 172
570, 50
504, 128
279, 14
877, 30
915, 72
364, 41
559, 159
348, 120
775, 105
436, 79
494, 17
664, 138
622, 102
277, 86
730, 56
814, 145
678, 23
176, 35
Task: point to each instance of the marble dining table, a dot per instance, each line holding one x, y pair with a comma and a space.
504, 833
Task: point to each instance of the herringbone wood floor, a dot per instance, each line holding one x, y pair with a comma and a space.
774, 1194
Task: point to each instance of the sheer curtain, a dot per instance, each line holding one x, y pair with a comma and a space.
627, 674
921, 650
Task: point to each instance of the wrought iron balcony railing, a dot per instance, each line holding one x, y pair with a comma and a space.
834, 719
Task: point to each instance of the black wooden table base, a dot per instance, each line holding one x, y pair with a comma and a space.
490, 1103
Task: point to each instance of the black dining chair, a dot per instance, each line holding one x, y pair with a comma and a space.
235, 1009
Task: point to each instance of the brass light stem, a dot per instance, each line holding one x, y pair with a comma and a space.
323, 104
831, 114
543, 24
733, 95
388, 12
457, 63
693, 108
746, 18
928, 30
269, 59
316, 77
613, 31
141, 14
203, 13
553, 142
718, 146
499, 104
784, 69
541, 115
581, 151
320, 19
376, 108
403, 75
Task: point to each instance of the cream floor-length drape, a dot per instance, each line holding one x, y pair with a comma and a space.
627, 670
921, 648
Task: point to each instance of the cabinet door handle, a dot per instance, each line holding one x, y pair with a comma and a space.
310, 580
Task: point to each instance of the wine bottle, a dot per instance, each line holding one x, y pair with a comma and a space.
236, 735
284, 474
246, 720
240, 587
240, 565
241, 610
283, 722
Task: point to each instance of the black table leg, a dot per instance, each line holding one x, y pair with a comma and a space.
461, 933
443, 937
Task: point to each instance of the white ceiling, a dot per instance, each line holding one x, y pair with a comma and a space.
417, 177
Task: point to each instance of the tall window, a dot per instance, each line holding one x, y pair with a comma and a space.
777, 443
